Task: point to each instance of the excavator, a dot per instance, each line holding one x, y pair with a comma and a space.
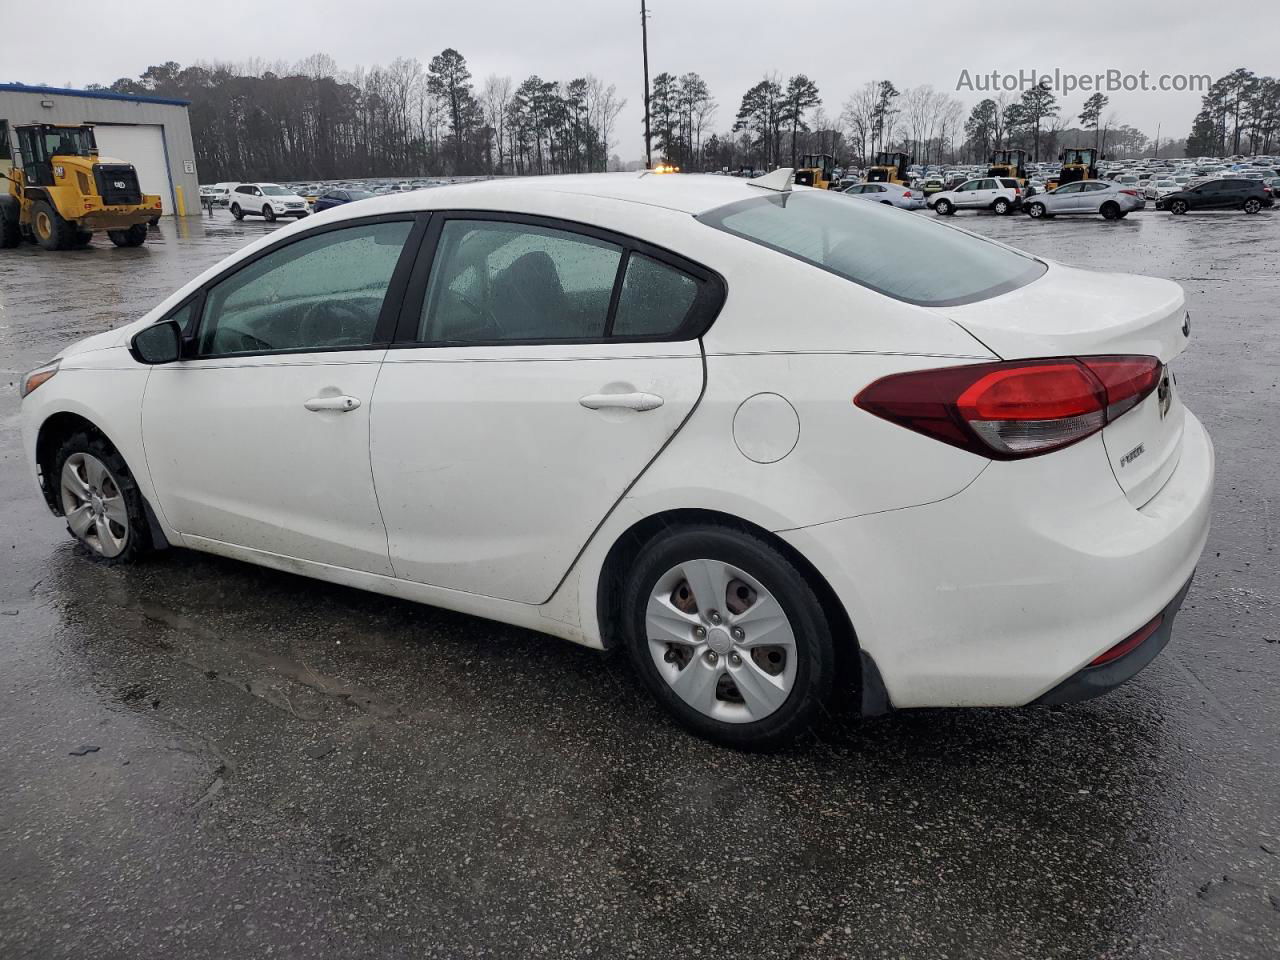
63, 191
890, 168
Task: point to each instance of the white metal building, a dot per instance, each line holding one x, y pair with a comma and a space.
152, 133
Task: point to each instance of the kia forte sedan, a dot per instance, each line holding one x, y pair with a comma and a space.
717, 422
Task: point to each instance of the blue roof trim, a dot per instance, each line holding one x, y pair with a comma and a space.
91, 94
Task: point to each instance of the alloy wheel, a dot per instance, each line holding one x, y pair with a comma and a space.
721, 641
94, 505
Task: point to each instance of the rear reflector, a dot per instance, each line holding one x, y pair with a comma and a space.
1014, 409
1129, 643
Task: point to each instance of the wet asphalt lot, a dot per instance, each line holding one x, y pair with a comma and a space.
291, 769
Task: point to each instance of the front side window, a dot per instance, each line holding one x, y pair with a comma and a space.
856, 241
971, 185
323, 292
503, 281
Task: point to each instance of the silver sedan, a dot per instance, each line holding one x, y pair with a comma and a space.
1112, 200
908, 198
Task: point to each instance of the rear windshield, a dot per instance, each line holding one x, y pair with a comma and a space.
899, 254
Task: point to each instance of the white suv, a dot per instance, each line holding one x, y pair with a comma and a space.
1001, 194
268, 200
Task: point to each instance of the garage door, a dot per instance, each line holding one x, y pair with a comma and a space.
143, 146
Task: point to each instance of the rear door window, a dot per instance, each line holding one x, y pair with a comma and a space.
655, 299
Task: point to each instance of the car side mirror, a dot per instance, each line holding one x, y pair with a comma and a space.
159, 343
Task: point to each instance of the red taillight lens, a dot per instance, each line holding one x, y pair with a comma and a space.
1129, 643
1014, 409
1132, 193
906, 193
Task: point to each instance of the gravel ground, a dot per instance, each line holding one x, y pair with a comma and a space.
283, 768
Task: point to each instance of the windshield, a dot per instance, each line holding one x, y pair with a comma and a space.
865, 243
69, 142
275, 190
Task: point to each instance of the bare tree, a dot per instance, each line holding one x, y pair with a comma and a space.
603, 107
858, 115
495, 97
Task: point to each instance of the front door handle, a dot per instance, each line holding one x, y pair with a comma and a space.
340, 404
640, 402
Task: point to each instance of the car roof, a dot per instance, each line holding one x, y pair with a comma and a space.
685, 193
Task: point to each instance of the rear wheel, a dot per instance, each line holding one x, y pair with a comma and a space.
1110, 210
1178, 207
10, 231
268, 212
237, 212
82, 238
728, 636
1252, 205
135, 236
944, 207
52, 232
100, 501
1036, 211
1001, 206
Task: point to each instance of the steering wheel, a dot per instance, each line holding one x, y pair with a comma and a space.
325, 324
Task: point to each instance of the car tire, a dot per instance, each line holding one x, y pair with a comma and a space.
944, 208
1178, 207
1252, 205
51, 231
1002, 206
268, 213
134, 236
98, 496
1110, 210
887, 203
1036, 211
791, 682
237, 212
81, 239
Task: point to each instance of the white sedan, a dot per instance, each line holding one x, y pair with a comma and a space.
721, 423
890, 194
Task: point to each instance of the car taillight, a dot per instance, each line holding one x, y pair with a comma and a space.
1013, 409
906, 193
1132, 193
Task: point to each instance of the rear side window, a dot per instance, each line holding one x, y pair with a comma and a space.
655, 298
1009, 183
864, 243
513, 281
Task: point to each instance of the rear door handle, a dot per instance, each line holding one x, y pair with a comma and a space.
640, 402
341, 404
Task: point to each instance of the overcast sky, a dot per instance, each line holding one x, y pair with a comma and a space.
732, 43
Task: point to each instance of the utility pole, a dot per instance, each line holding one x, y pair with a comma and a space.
644, 41
1157, 141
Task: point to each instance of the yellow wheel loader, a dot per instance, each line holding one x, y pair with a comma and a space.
1078, 163
1009, 163
816, 170
63, 191
890, 168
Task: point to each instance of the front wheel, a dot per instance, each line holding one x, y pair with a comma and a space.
1036, 211
944, 208
1178, 207
1001, 206
728, 636
100, 500
237, 212
134, 236
268, 212
1252, 205
52, 232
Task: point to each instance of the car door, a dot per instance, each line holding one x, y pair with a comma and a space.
259, 436
1059, 201
967, 193
1091, 196
547, 366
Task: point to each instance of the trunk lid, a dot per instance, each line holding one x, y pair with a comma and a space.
1070, 312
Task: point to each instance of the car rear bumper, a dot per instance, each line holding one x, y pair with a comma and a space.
1012, 587
1094, 681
